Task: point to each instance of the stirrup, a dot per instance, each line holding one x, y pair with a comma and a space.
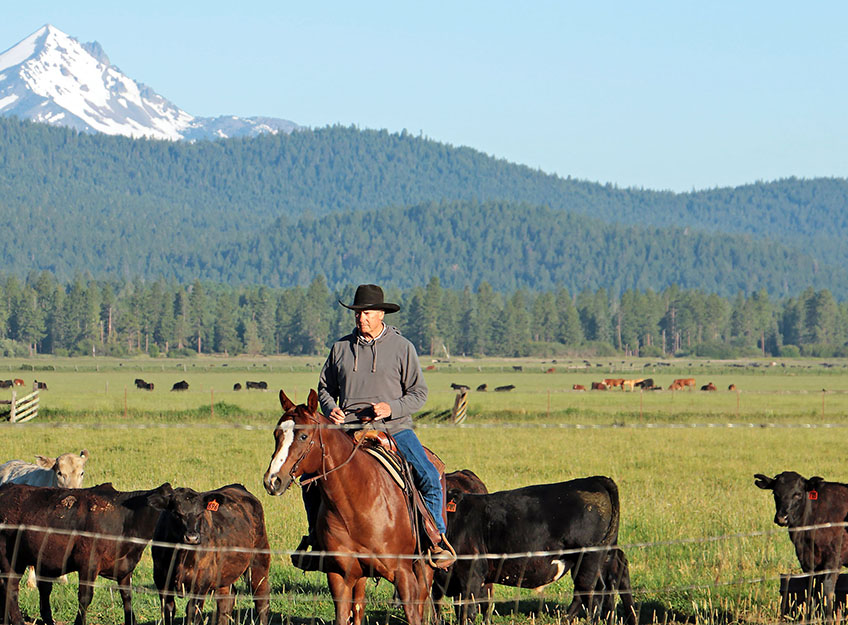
439, 557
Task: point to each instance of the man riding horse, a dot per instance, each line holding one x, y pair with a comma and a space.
373, 375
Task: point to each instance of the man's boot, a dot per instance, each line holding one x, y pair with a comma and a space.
306, 561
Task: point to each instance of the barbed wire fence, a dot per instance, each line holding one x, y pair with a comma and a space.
282, 557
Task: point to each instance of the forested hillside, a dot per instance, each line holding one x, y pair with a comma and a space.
520, 247
122, 208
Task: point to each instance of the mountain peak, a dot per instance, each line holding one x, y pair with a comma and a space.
50, 77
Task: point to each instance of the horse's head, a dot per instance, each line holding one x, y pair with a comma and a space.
295, 451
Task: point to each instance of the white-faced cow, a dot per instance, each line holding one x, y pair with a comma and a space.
66, 471
96, 531
210, 540
564, 519
801, 502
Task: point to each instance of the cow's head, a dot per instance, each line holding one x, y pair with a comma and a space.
791, 492
69, 468
188, 509
295, 451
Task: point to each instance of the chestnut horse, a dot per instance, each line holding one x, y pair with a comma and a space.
363, 521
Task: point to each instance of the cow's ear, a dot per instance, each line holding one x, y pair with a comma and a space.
161, 497
814, 483
285, 402
763, 481
84, 454
312, 401
44, 462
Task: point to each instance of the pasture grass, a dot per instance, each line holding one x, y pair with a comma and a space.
698, 533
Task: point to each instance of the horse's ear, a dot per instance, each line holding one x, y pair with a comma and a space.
312, 401
285, 402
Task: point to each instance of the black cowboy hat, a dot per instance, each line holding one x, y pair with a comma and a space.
370, 297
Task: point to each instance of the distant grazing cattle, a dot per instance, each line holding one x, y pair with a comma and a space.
629, 384
801, 502
681, 383
551, 370
6, 383
708, 387
578, 387
225, 529
139, 383
18, 382
260, 386
517, 368
182, 385
429, 367
732, 387
566, 516
507, 387
613, 382
237, 386
460, 387
122, 521
599, 386
65, 471
645, 383
41, 386
483, 387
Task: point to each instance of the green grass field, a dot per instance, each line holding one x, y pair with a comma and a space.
698, 533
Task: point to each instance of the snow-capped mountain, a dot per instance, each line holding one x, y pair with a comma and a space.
51, 77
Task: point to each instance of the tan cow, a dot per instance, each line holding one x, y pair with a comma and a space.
681, 383
628, 384
66, 471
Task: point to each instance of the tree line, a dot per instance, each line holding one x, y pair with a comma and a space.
41, 315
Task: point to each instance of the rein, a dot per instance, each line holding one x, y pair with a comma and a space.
324, 471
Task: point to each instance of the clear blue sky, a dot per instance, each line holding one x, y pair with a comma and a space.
662, 95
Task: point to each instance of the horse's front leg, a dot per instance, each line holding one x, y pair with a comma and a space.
341, 590
359, 600
407, 587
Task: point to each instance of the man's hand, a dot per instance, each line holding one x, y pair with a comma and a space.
381, 411
337, 416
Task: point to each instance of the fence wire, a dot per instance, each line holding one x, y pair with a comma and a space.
11, 534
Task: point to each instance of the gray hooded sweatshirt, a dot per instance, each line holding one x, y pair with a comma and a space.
359, 373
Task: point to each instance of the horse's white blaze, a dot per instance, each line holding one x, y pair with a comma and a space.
287, 427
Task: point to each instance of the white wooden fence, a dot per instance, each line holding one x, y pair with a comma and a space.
22, 409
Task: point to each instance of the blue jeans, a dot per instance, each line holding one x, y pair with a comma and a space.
425, 474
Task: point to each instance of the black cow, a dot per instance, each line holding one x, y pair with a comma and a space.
182, 385
144, 386
237, 386
507, 387
483, 387
225, 529
563, 518
6, 383
41, 386
801, 502
456, 483
647, 383
261, 386
117, 525
460, 387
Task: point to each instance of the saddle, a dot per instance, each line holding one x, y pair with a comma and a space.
383, 447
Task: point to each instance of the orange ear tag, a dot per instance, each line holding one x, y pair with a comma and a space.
451, 506
212, 506
814, 495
